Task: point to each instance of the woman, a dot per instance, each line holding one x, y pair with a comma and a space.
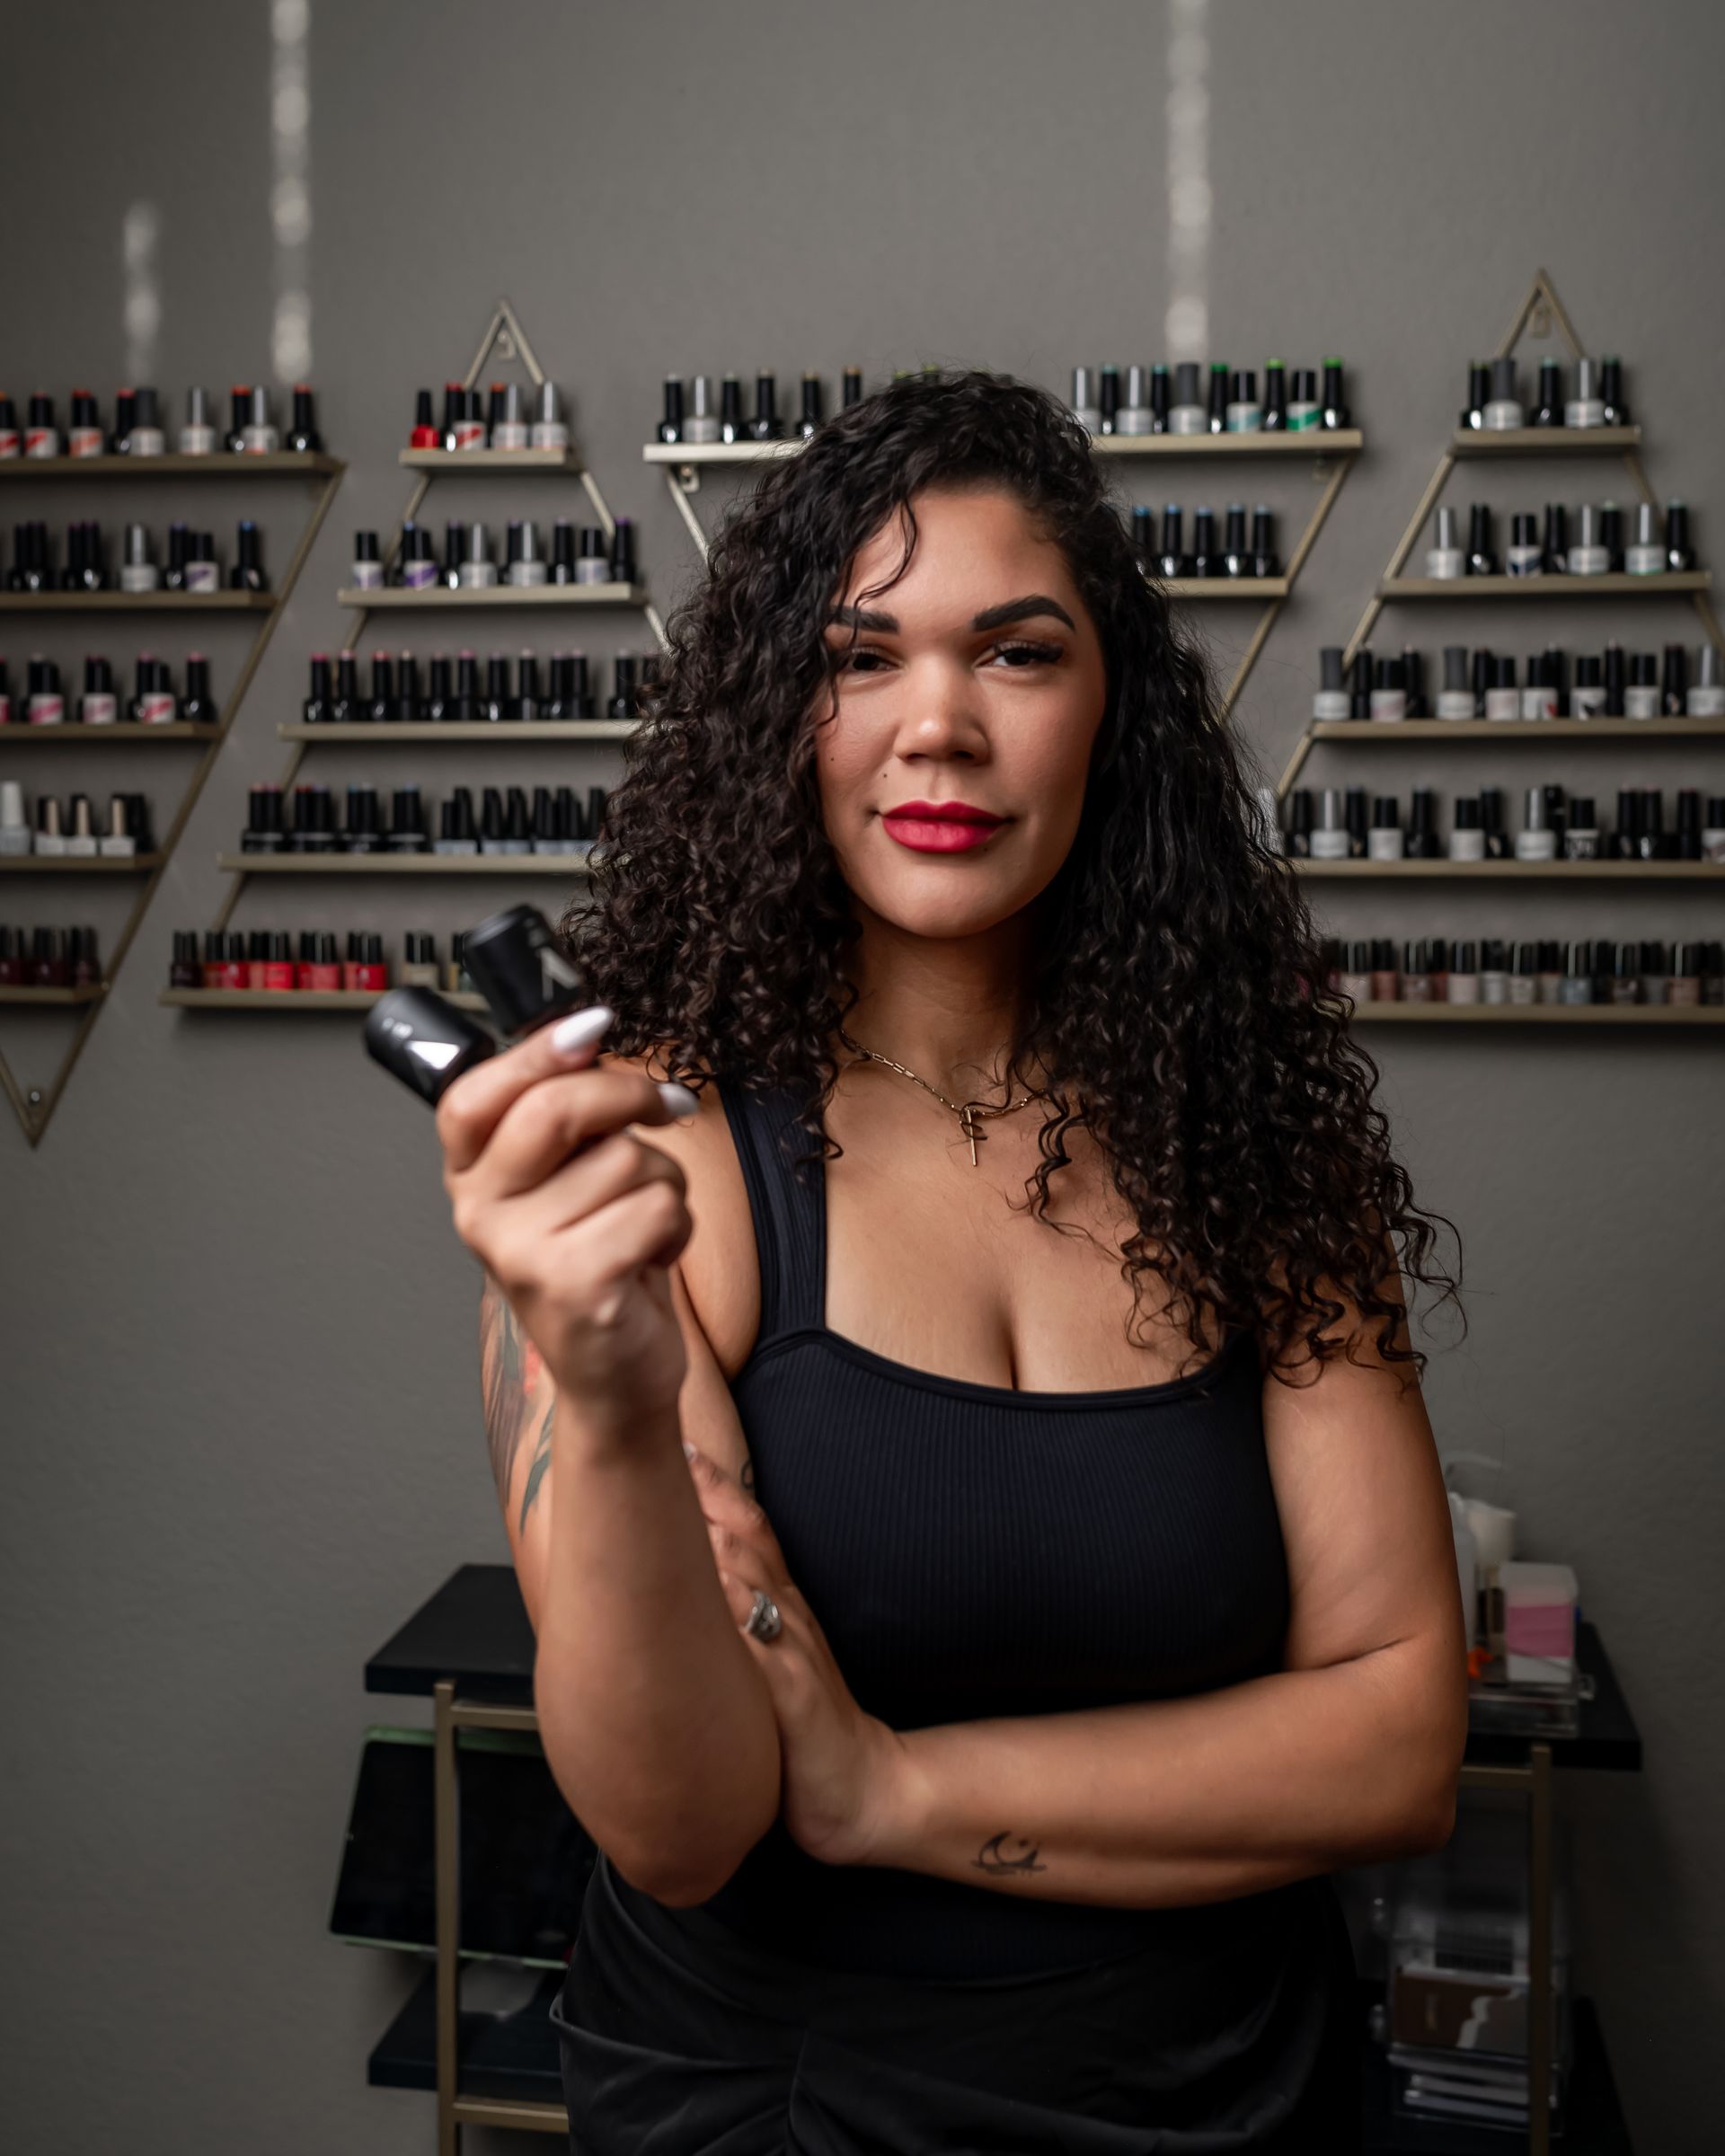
966, 1466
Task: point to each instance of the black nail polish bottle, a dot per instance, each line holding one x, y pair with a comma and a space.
525, 706
1359, 683
1678, 552
380, 707
1206, 561
247, 573
1173, 562
1548, 409
437, 693
1479, 388
766, 426
1481, 556
1275, 397
1610, 393
811, 413
1218, 396
1264, 562
626, 682
1235, 559
671, 425
303, 435
1335, 412
198, 708
345, 703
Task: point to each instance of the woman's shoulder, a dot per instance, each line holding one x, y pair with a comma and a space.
719, 1265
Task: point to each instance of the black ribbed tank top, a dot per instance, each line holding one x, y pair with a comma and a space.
973, 1551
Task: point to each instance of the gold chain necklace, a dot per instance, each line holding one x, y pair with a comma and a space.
968, 1112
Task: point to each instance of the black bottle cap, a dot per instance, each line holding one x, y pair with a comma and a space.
1330, 667
1244, 389
521, 969
1491, 955
419, 948
1503, 381
426, 1041
1524, 530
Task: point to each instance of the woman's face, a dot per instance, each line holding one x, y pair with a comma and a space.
953, 773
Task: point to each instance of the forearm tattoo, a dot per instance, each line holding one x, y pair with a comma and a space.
509, 1369
991, 1858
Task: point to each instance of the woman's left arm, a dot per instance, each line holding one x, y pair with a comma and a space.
1349, 1753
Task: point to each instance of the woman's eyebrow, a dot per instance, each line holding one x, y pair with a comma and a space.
991, 617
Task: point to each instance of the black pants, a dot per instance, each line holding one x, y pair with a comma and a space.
681, 2037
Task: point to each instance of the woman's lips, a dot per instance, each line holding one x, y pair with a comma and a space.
940, 826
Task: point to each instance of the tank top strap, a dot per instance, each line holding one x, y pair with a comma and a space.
788, 1205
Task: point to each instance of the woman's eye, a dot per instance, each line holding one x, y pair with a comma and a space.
852, 662
1026, 655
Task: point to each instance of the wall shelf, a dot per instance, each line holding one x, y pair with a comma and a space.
1542, 1014
136, 602
1409, 730
1226, 587
1308, 443
299, 464
692, 454
567, 461
371, 733
1614, 586
294, 998
402, 864
80, 864
122, 729
61, 997
1698, 872
500, 595
1544, 441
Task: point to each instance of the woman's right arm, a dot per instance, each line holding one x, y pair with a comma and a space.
657, 1724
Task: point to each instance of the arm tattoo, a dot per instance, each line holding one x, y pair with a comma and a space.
990, 1858
508, 1366
541, 1462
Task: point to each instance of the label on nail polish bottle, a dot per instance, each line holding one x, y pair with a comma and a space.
1587, 703
419, 576
1713, 844
147, 441
1494, 987
257, 441
1503, 703
1456, 703
1445, 561
478, 576
588, 570
83, 441
139, 576
549, 434
1245, 419
156, 708
470, 434
1502, 417
1190, 418
370, 977
1538, 701
202, 576
1536, 845
1585, 411
368, 576
1579, 843
509, 434
1644, 560
278, 973
11, 442
1330, 846
323, 976
46, 708
1389, 703
523, 574
1524, 560
1467, 845
1331, 705
1705, 701
1463, 988
1385, 842
41, 441
1641, 701
1590, 561
1305, 418
196, 441
98, 707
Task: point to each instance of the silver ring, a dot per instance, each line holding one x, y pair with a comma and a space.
763, 1621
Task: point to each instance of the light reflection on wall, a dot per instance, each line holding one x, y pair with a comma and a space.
291, 196
140, 232
1186, 331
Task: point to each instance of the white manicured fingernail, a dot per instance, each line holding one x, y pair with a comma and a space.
679, 1100
581, 1028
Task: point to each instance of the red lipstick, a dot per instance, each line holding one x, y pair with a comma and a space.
940, 826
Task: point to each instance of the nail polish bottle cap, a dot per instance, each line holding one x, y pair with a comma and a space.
259, 402
1304, 390
1478, 523
549, 415
1490, 955
592, 542
479, 545
1329, 816
512, 404
1533, 813
1299, 809
1387, 812
1467, 813
1416, 956
1463, 959
417, 948
365, 546
1455, 668
1647, 528
11, 805
1524, 530
1503, 381
48, 815
1587, 381
1421, 812
1330, 667
1577, 958
1581, 816
1447, 539
1084, 391
529, 542
1186, 383
1245, 388
1137, 388
1707, 666
1527, 958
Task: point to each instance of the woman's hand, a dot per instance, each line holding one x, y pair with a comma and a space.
843, 1770
577, 1219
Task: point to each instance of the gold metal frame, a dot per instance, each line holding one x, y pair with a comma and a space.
32, 1105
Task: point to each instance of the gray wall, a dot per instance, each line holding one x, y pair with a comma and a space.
239, 1382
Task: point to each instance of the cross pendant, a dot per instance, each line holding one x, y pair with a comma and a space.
967, 1123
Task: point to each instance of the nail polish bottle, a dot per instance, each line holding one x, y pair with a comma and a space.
559, 701
592, 566
1556, 815
1445, 558
1359, 685
622, 550
478, 571
1502, 410
1275, 419
732, 425
544, 825
1482, 555
419, 968
1357, 814
1497, 838
626, 684
1085, 409
1142, 537
1494, 976
1416, 971
263, 832
1385, 981
1502, 698
1656, 971
322, 970
809, 420
766, 426
1330, 834
239, 400
1390, 691
1423, 843
1467, 833
44, 699
1575, 985
1160, 398
1706, 697
184, 971
596, 798
523, 707
85, 436
456, 833
494, 416
550, 430
1556, 545
1174, 562
409, 703
1611, 535
303, 437
1336, 414
1589, 557
528, 567
1641, 695
1206, 559
517, 824
454, 398
510, 427
1385, 840
1586, 407
1456, 698
1524, 556
852, 387
247, 572
494, 703
1623, 841
1216, 417
1688, 843
464, 708
1331, 702
379, 707
1614, 409
1264, 542
117, 842
1472, 417
313, 830
212, 967
1413, 672
370, 972
455, 552
1674, 685
1683, 985
1187, 415
1587, 697
438, 695
1547, 968
1646, 557
1354, 971
49, 836
41, 436
1296, 829
1539, 693
1614, 670
1132, 415
424, 433
366, 570
1536, 841
11, 441
1235, 559
98, 706
1548, 409
1678, 554
407, 830
1581, 830
470, 422
257, 437
1305, 414
1461, 976
346, 705
81, 833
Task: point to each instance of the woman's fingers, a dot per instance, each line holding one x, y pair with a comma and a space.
606, 1169
471, 1108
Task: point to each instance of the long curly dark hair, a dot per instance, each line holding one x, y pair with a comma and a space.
1175, 1009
